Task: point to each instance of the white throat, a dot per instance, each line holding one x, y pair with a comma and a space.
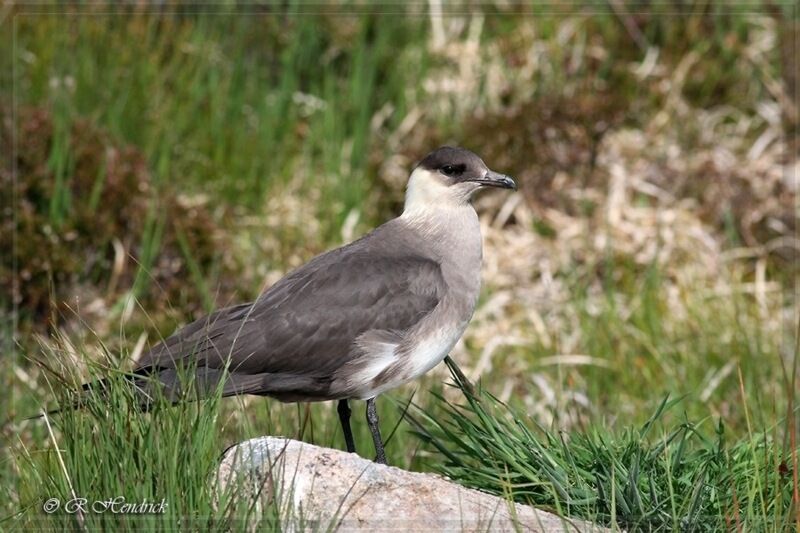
427, 193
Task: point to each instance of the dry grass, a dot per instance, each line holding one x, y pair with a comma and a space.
703, 196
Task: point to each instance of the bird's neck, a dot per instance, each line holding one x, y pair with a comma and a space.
426, 192
452, 237
453, 233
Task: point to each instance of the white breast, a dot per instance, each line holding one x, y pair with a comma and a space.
423, 356
431, 351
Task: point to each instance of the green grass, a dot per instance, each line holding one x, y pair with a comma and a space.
670, 473
212, 100
110, 447
661, 476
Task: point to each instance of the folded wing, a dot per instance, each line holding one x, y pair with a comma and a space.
304, 328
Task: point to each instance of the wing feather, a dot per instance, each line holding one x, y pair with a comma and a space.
308, 323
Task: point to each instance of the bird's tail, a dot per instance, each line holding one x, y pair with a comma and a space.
147, 387
96, 390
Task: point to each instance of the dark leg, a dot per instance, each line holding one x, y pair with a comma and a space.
344, 418
372, 421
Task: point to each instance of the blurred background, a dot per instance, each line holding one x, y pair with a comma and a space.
162, 159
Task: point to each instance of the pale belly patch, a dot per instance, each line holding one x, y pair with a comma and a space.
390, 369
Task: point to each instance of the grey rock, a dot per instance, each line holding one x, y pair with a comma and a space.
314, 488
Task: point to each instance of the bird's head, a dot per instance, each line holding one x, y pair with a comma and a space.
448, 177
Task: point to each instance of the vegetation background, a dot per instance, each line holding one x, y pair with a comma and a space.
161, 159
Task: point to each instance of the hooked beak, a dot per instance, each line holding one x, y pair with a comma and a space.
495, 179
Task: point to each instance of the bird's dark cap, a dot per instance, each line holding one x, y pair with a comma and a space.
450, 155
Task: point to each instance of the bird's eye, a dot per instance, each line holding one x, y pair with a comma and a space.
451, 170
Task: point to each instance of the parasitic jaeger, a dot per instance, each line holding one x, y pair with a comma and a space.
355, 321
